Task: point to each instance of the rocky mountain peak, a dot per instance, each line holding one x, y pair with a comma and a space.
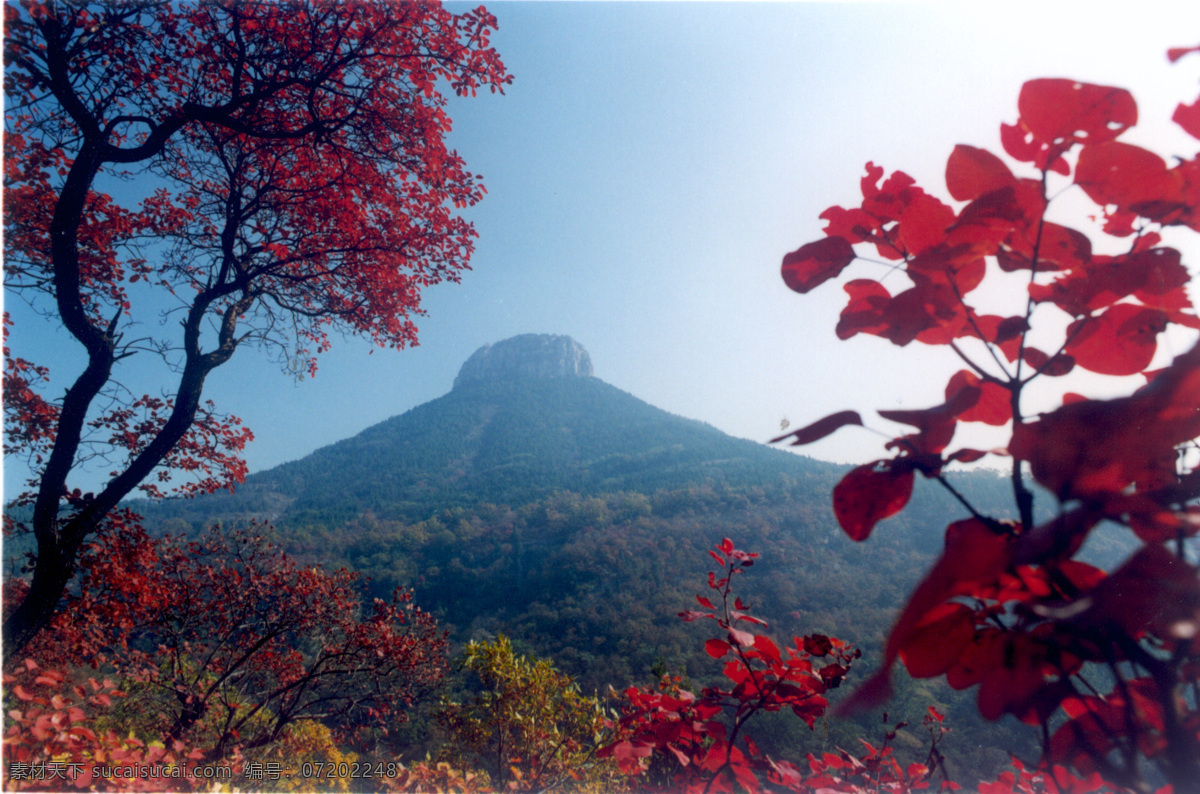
526, 356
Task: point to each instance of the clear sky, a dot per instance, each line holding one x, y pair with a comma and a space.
650, 166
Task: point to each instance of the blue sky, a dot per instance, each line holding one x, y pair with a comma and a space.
648, 169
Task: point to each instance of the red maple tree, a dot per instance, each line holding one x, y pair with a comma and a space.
1107, 663
300, 184
220, 645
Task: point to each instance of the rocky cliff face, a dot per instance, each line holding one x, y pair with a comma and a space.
526, 356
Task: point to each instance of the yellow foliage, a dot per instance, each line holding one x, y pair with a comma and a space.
310, 760
528, 724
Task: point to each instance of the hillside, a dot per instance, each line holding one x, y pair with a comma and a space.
518, 430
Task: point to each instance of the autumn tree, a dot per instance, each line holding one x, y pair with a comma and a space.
298, 184
528, 723
1106, 663
225, 643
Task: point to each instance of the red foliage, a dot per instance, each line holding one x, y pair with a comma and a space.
207, 454
670, 738
231, 641
676, 723
29, 419
301, 184
697, 743
1006, 608
50, 738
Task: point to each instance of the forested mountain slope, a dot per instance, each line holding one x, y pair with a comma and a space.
510, 434
536, 500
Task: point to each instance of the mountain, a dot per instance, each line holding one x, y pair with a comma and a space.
526, 418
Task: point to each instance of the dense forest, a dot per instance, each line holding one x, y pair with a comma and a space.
595, 584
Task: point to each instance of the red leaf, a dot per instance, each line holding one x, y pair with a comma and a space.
1056, 539
815, 263
1153, 591
1081, 575
870, 180
680, 756
1058, 248
935, 425
767, 647
864, 311
1161, 278
832, 674
1128, 176
1054, 367
1004, 332
1019, 143
1121, 341
936, 642
966, 455
716, 648
817, 644
1013, 679
1100, 447
930, 312
1064, 111
739, 637
1188, 117
627, 752
994, 405
960, 266
975, 553
971, 173
736, 671
821, 428
853, 225
1155, 276
1175, 53
996, 217
868, 494
923, 221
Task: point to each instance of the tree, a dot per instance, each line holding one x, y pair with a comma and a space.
698, 736
302, 185
225, 643
533, 728
1106, 663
